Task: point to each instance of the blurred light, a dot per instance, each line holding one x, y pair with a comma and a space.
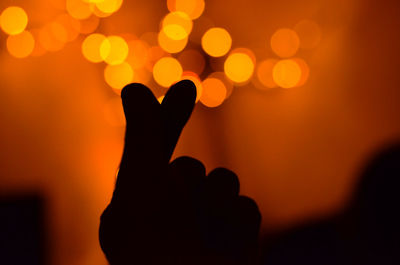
118, 76
38, 50
201, 26
160, 99
177, 25
142, 76
67, 29
264, 73
21, 45
286, 73
167, 71
78, 9
138, 54
249, 52
13, 20
89, 25
58, 31
155, 54
214, 92
109, 6
216, 42
309, 34
114, 50
91, 47
305, 71
192, 60
285, 42
223, 78
169, 45
239, 67
196, 80
48, 41
114, 113
194, 8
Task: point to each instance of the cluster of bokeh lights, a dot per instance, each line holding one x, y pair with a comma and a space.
177, 51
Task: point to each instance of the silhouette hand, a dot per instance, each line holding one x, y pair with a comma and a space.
163, 213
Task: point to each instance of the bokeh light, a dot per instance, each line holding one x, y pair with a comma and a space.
66, 28
196, 80
285, 42
214, 92
216, 42
118, 76
177, 25
91, 47
169, 45
193, 8
13, 20
223, 78
167, 71
109, 6
305, 71
21, 45
78, 9
309, 34
239, 67
89, 25
48, 40
264, 73
114, 50
138, 53
192, 60
287, 73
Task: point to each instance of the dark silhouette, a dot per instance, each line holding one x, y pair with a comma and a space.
172, 213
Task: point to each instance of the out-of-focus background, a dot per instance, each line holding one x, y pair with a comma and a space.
294, 96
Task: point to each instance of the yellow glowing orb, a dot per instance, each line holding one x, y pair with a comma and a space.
21, 45
167, 71
196, 80
239, 67
78, 9
214, 92
305, 71
109, 6
309, 34
114, 50
216, 42
13, 20
177, 25
193, 8
118, 76
169, 45
264, 73
287, 73
285, 42
91, 47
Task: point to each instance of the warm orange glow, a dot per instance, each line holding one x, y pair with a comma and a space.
114, 50
192, 60
264, 73
223, 78
160, 99
47, 39
167, 71
118, 76
177, 25
155, 54
114, 113
67, 29
138, 53
285, 42
196, 80
309, 34
91, 47
216, 42
214, 92
142, 75
89, 25
38, 50
59, 32
194, 8
109, 6
239, 67
169, 45
13, 20
305, 71
20, 45
78, 9
286, 73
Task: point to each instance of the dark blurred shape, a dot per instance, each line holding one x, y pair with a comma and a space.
22, 237
367, 232
172, 213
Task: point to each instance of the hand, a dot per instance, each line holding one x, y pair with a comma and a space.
163, 213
